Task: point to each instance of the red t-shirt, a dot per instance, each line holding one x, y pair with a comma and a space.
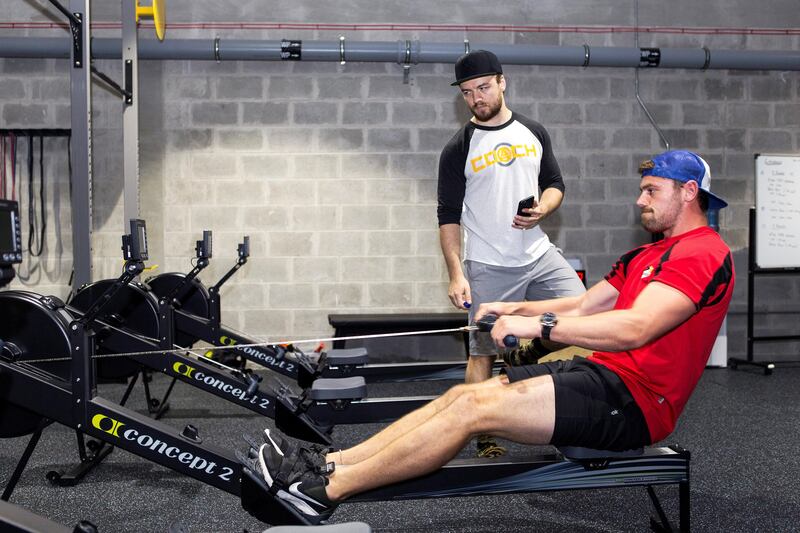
661, 375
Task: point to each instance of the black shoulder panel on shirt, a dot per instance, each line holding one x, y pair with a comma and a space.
663, 259
549, 173
452, 182
624, 260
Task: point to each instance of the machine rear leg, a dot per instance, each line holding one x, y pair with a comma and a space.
662, 524
97, 452
685, 506
157, 408
23, 461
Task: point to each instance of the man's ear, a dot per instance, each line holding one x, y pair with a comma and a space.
690, 190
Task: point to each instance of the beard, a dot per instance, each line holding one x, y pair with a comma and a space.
487, 110
659, 223
652, 223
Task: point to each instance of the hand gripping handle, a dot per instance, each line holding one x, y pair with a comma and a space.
486, 323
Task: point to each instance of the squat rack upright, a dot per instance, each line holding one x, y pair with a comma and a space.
80, 19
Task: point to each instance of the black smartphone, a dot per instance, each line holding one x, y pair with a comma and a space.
526, 203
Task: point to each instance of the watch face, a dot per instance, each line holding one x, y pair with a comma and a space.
549, 319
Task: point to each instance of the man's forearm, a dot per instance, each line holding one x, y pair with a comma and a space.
550, 200
450, 240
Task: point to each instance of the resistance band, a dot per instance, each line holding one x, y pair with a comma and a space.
36, 238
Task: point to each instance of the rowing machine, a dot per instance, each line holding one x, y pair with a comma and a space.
36, 389
567, 468
198, 312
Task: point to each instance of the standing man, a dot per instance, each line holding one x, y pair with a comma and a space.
496, 160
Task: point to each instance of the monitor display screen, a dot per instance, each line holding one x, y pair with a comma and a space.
7, 227
142, 239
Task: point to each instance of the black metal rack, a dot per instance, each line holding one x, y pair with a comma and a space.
754, 270
35, 132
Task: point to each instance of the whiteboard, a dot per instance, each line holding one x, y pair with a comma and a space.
777, 211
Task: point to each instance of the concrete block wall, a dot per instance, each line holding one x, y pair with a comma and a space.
331, 169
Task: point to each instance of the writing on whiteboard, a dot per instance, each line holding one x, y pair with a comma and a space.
778, 211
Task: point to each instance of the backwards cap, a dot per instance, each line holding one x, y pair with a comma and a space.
683, 166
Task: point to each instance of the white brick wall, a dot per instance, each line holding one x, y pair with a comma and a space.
331, 169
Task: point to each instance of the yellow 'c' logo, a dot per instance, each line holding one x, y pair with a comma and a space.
183, 369
227, 341
107, 424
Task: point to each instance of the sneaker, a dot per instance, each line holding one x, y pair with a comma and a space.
314, 455
294, 482
488, 448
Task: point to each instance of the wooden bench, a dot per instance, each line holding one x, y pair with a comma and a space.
457, 343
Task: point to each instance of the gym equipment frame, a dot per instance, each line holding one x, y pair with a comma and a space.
198, 316
567, 469
148, 343
35, 394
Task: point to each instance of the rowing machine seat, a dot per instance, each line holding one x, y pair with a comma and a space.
578, 453
594, 459
352, 388
347, 356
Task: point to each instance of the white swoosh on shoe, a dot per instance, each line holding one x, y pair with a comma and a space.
263, 463
297, 502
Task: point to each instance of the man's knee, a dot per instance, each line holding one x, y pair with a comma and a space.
456, 391
476, 404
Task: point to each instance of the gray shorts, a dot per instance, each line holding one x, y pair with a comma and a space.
550, 276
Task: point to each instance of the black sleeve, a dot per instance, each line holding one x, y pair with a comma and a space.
549, 173
452, 182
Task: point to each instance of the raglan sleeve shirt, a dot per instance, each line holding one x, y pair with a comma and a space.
661, 375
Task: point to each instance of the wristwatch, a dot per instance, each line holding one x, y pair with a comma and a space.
548, 321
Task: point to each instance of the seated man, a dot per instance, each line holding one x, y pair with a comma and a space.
651, 323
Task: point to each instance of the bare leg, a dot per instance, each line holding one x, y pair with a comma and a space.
404, 425
479, 368
523, 411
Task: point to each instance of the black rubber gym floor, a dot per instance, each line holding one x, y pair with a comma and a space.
740, 426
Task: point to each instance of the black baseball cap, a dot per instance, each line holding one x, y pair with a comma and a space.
476, 64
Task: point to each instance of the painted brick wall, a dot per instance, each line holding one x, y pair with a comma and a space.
331, 169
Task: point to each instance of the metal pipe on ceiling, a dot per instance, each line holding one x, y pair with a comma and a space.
411, 52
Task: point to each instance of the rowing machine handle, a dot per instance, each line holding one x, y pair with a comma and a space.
252, 383
486, 323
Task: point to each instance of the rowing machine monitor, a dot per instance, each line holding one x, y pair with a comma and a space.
10, 233
244, 248
10, 240
203, 247
486, 323
134, 245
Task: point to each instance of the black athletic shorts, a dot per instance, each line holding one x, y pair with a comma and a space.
594, 408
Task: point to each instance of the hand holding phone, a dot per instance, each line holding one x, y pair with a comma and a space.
526, 203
